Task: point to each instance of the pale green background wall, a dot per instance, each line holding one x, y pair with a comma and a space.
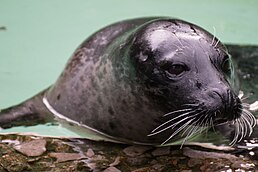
42, 34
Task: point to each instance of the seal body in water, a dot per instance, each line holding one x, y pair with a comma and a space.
147, 81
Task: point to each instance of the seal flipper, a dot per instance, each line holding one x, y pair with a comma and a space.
28, 113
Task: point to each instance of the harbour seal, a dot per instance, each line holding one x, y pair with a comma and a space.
146, 81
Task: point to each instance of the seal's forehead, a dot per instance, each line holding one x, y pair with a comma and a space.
161, 32
164, 38
160, 39
167, 45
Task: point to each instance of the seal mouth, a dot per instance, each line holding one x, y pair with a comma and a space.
193, 119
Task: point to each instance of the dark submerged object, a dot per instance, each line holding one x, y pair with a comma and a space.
145, 81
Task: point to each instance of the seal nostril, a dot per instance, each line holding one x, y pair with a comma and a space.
219, 102
216, 94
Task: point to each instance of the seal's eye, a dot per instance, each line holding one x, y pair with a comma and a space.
176, 69
173, 70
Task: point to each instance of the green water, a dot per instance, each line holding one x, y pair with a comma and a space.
40, 36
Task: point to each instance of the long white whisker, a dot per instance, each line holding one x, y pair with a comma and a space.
242, 129
236, 133
248, 128
189, 104
190, 127
163, 124
181, 110
193, 126
212, 124
246, 105
244, 124
247, 124
171, 126
190, 133
206, 123
252, 118
214, 35
216, 43
179, 41
201, 123
178, 130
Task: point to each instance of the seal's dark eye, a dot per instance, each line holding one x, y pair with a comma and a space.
176, 69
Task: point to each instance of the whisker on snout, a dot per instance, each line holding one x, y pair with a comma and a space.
243, 125
193, 120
